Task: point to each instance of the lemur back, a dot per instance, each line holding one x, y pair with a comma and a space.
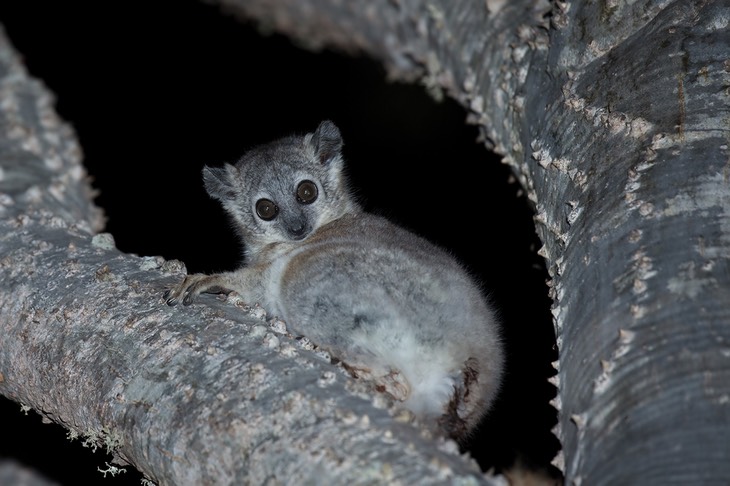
376, 296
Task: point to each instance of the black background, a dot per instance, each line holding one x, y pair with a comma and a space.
156, 90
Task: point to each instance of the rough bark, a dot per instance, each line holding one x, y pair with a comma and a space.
214, 394
614, 115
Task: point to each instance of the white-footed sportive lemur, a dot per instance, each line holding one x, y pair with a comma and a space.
374, 295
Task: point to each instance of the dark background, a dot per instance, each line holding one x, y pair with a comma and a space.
156, 90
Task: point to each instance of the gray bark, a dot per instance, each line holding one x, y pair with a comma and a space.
12, 473
614, 116
212, 394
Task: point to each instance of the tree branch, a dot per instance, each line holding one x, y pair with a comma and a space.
213, 394
614, 118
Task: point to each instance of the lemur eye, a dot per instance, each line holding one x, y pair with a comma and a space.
307, 192
266, 209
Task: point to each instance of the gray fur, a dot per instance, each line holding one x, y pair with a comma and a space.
380, 298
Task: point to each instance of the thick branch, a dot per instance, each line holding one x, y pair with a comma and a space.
614, 118
212, 394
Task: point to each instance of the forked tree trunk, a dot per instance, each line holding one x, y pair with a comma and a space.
613, 115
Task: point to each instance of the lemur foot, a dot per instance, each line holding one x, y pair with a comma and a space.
191, 287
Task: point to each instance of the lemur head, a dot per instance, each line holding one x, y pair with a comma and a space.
284, 190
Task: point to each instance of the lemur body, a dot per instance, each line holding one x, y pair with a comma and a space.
375, 295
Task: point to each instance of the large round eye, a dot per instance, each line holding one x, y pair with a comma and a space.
307, 192
266, 209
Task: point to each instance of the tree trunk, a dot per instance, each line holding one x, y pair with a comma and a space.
614, 118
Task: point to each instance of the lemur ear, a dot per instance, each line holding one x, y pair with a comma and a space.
327, 142
220, 182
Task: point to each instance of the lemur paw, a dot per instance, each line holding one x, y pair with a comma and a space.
191, 287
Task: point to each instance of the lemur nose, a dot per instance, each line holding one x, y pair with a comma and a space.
297, 230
